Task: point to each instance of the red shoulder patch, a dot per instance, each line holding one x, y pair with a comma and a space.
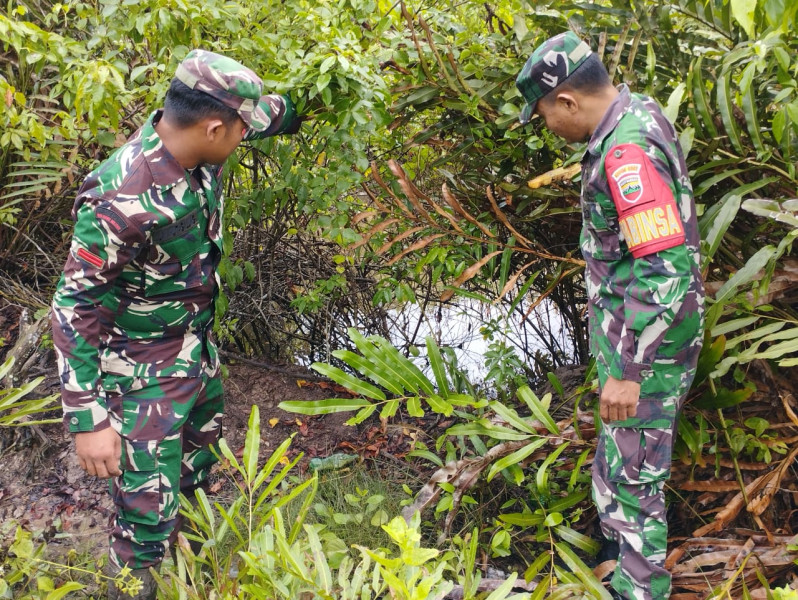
90, 258
647, 212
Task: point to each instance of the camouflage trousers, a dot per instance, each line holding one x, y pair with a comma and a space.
168, 426
629, 473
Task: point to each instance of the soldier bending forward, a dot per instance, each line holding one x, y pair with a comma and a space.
133, 312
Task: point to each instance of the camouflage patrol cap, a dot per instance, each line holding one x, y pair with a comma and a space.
550, 65
229, 82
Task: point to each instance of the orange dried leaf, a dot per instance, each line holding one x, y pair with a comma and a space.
468, 274
402, 236
511, 282
452, 201
422, 243
373, 231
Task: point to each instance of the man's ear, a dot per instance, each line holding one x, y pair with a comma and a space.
214, 129
568, 101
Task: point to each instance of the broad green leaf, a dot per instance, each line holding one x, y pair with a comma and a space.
512, 418
743, 12
291, 557
523, 519
542, 476
581, 541
751, 117
764, 331
536, 565
572, 499
733, 325
671, 109
555, 384
324, 407
267, 469
742, 277
487, 429
776, 351
710, 182
438, 368
323, 574
782, 212
439, 405
686, 139
414, 407
61, 592
389, 410
362, 415
537, 408
726, 107
701, 100
426, 454
6, 367
708, 359
405, 365
466, 401
582, 571
252, 444
368, 369
500, 593
228, 454
515, 457
396, 371
350, 382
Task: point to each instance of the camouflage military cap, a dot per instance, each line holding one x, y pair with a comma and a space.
551, 64
230, 82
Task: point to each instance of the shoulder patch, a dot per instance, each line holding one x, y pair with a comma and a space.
90, 258
115, 221
647, 212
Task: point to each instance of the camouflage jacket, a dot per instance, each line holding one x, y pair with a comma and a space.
137, 294
640, 241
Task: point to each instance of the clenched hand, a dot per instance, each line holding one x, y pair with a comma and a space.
99, 452
618, 400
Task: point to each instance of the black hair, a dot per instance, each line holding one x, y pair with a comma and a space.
186, 107
590, 78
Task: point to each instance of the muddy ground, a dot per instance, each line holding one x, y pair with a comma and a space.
43, 487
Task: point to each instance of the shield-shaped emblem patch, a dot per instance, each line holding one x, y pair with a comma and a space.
627, 178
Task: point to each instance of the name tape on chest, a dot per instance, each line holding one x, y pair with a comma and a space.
647, 213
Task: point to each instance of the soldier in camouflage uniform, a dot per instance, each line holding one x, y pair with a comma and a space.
641, 247
134, 309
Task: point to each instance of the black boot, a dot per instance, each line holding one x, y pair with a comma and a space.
609, 551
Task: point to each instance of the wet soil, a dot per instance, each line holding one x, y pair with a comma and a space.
43, 488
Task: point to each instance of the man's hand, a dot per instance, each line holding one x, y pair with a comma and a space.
99, 452
618, 400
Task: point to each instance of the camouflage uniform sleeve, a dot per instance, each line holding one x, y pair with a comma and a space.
282, 115
653, 297
660, 270
104, 241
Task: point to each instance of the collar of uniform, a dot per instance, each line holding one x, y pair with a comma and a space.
610, 119
165, 170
